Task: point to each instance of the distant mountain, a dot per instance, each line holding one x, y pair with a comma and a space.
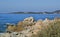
54, 12
16, 13
26, 13
57, 12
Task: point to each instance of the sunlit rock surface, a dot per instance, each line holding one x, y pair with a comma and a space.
29, 19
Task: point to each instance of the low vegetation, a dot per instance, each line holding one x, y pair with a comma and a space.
52, 30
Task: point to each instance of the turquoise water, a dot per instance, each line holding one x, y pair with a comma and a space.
15, 18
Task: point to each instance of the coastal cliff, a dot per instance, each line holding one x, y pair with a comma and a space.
31, 28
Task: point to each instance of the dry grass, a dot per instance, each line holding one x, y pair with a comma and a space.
52, 30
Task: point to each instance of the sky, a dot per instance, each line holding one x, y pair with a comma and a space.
7, 6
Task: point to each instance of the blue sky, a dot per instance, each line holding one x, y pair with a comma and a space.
28, 5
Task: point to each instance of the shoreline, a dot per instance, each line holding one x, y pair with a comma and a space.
27, 27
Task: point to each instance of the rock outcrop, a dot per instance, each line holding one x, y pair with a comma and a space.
27, 27
11, 28
29, 19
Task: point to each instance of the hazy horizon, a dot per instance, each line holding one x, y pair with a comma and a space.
7, 6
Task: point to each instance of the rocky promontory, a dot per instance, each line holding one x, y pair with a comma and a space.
28, 27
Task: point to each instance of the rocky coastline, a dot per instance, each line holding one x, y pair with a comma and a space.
27, 27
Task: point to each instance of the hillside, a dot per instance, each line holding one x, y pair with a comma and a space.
53, 12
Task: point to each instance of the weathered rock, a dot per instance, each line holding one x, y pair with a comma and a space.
19, 28
5, 35
39, 22
47, 21
15, 28
29, 19
36, 28
20, 24
11, 28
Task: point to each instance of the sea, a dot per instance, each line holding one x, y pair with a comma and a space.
15, 18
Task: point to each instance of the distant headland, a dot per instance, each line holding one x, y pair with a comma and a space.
53, 12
